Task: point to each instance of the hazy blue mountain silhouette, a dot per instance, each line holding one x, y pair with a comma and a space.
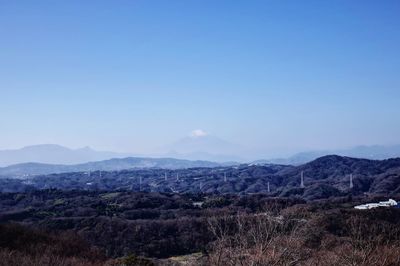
206, 147
116, 164
376, 152
54, 154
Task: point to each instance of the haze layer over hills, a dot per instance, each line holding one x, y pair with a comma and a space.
54, 154
204, 148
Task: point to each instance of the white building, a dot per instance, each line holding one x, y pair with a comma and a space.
367, 206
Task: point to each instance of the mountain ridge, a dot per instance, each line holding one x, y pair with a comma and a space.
114, 164
372, 152
55, 154
325, 177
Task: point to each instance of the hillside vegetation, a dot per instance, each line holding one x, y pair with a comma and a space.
325, 177
110, 228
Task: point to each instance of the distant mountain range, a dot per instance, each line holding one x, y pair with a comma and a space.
375, 152
204, 147
116, 164
49, 158
55, 154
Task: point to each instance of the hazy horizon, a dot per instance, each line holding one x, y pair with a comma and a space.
273, 78
245, 156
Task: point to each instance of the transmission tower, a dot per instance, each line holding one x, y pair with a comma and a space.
351, 181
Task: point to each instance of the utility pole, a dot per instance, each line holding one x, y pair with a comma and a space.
225, 177
268, 188
302, 179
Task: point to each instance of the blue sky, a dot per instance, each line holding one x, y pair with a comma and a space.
273, 76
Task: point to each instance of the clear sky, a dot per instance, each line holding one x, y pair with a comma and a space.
272, 76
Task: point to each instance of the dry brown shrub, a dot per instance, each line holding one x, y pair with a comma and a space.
16, 258
260, 239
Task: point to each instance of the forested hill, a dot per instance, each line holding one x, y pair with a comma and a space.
325, 177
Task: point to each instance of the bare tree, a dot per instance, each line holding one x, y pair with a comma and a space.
255, 239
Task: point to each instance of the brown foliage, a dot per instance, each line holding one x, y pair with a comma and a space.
23, 246
357, 238
257, 239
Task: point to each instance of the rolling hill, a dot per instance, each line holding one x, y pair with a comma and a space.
324, 177
28, 169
